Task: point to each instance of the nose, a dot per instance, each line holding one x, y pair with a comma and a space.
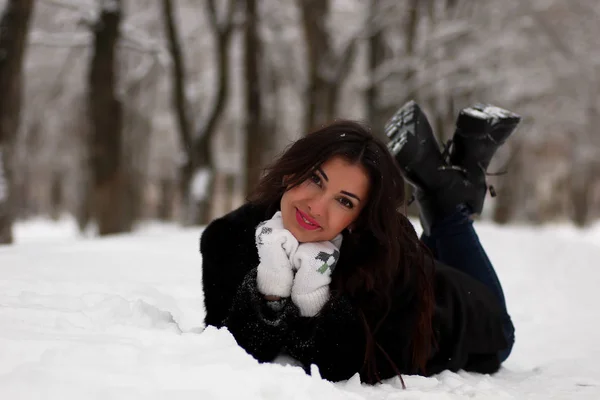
317, 206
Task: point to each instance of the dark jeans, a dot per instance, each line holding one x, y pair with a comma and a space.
454, 242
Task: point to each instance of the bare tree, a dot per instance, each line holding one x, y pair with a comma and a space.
377, 53
327, 68
139, 99
256, 133
197, 171
585, 79
109, 180
535, 59
14, 27
508, 186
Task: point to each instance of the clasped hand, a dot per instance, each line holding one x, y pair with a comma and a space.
289, 269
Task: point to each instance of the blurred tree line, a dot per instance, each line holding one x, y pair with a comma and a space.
117, 111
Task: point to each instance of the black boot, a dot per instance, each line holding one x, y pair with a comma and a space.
439, 187
414, 146
480, 130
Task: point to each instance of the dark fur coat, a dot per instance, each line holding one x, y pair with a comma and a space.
467, 320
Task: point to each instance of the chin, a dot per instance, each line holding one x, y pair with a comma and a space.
295, 234
303, 236
300, 235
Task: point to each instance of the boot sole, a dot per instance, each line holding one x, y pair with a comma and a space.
479, 118
407, 120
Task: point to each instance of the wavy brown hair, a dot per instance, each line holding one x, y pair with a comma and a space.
382, 251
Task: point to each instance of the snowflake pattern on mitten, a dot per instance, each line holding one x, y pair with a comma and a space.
314, 263
328, 260
264, 230
274, 245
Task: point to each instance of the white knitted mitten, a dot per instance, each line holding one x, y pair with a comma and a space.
315, 262
275, 246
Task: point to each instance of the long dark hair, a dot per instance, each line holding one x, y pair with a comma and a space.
382, 250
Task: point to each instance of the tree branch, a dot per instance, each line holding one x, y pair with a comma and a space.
180, 103
554, 38
137, 40
72, 39
213, 18
344, 60
83, 40
227, 25
77, 6
206, 127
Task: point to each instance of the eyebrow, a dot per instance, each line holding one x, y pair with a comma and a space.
350, 194
323, 173
342, 191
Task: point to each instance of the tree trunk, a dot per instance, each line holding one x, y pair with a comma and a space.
109, 180
14, 26
166, 199
585, 153
507, 186
256, 137
319, 103
139, 100
230, 181
326, 70
180, 103
196, 173
6, 196
57, 197
197, 181
375, 57
580, 193
410, 36
410, 39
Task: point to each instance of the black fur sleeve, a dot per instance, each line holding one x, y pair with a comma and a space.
258, 326
333, 340
228, 254
231, 298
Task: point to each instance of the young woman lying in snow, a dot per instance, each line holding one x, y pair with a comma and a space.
320, 264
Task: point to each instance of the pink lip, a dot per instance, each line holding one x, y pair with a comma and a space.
299, 215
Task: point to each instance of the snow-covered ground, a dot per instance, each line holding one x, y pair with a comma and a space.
121, 318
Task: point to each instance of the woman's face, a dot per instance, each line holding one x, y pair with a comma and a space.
326, 203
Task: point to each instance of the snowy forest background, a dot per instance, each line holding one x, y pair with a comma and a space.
118, 111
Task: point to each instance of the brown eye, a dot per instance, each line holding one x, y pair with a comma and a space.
315, 179
346, 203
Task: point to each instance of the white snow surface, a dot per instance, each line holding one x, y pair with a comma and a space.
122, 318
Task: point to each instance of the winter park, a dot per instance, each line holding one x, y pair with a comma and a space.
306, 199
